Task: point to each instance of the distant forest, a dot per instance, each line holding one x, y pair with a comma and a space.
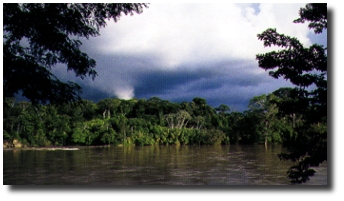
154, 121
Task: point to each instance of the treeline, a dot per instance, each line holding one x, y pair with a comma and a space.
150, 122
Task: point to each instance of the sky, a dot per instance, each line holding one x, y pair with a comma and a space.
181, 51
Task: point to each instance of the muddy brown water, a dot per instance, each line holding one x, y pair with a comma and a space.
151, 165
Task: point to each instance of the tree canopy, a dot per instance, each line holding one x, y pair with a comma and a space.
316, 14
306, 68
38, 36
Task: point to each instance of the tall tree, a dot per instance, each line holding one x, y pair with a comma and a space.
222, 109
38, 36
263, 108
307, 69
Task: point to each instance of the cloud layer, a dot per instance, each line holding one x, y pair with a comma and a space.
179, 34
181, 51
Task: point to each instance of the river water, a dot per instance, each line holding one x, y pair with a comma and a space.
151, 165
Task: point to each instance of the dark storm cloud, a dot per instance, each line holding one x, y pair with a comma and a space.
230, 82
211, 75
92, 93
160, 81
143, 56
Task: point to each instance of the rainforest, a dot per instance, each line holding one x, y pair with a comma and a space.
142, 122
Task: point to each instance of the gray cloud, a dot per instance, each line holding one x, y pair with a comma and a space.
232, 83
209, 55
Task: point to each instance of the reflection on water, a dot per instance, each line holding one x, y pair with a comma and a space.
154, 165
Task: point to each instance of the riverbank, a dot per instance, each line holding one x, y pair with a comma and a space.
53, 148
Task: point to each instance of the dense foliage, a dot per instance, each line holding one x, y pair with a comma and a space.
144, 122
39, 36
306, 68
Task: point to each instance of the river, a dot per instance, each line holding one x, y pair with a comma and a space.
151, 165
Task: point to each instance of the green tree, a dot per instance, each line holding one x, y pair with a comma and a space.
307, 69
108, 106
316, 14
182, 119
265, 111
234, 130
38, 36
222, 109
